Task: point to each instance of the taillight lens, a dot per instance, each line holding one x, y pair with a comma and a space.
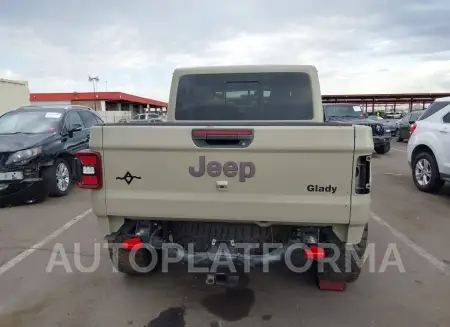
315, 252
363, 175
134, 243
90, 175
412, 128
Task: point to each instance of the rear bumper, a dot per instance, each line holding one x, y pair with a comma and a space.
348, 226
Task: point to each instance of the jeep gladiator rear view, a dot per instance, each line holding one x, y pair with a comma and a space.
244, 158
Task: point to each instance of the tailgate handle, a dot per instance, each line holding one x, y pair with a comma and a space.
222, 138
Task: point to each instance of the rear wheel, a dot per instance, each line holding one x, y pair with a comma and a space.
133, 262
349, 262
425, 173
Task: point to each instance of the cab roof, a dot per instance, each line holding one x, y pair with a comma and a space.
245, 69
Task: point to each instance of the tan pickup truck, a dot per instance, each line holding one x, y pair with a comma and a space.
244, 157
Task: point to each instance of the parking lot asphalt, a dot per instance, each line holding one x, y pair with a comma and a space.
414, 223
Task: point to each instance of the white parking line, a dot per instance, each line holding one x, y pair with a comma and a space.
398, 150
14, 261
416, 248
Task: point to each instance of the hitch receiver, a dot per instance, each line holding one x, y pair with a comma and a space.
222, 279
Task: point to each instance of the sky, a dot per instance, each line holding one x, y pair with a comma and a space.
358, 46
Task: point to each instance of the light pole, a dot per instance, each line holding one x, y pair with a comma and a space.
94, 80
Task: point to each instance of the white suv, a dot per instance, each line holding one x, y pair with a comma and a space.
429, 147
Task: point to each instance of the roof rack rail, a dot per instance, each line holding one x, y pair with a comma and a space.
78, 106
30, 106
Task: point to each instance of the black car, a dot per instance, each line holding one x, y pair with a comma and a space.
37, 147
389, 124
405, 124
348, 113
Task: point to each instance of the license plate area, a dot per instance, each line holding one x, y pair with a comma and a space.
11, 176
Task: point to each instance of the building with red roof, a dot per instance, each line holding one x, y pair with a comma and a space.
100, 101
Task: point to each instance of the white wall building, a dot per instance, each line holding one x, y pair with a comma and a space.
13, 94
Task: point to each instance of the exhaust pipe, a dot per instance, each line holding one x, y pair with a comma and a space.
210, 279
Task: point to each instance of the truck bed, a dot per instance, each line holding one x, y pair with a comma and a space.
289, 173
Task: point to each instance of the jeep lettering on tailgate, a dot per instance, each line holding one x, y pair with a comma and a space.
230, 169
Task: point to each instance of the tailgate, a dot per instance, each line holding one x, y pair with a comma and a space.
284, 174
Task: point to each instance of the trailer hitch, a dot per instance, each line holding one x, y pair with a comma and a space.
222, 279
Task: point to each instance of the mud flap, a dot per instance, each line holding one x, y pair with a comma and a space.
330, 285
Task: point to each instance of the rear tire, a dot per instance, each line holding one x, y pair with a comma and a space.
122, 260
431, 182
349, 262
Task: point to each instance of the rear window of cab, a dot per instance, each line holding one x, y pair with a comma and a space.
245, 96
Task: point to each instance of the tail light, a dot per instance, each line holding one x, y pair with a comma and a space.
362, 175
315, 252
412, 128
134, 243
89, 172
